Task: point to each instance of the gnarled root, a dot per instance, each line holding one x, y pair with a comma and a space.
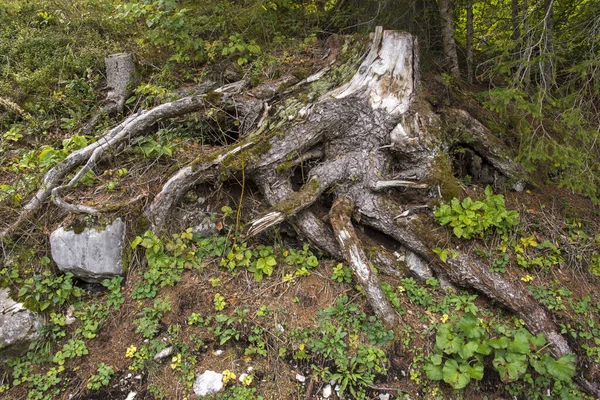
131, 127
355, 257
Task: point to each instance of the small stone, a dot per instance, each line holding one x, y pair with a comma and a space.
70, 318
164, 353
131, 396
218, 352
280, 328
300, 378
205, 228
242, 376
327, 391
138, 377
384, 396
207, 383
250, 369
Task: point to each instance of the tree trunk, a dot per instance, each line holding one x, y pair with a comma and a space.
516, 22
450, 55
548, 43
470, 41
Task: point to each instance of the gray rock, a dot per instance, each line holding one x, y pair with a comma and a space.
164, 353
18, 326
205, 228
207, 383
417, 266
90, 255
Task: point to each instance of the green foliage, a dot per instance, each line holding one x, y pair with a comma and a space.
238, 256
91, 316
168, 259
264, 262
477, 218
550, 296
115, 298
302, 258
415, 292
101, 378
342, 274
46, 289
461, 349
150, 318
239, 393
73, 348
219, 302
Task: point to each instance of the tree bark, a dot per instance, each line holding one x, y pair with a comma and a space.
450, 55
516, 21
548, 43
470, 41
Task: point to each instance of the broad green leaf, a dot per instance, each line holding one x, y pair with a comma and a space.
453, 377
468, 349
434, 372
562, 369
476, 371
136, 242
520, 344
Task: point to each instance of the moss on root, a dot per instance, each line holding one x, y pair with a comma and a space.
442, 175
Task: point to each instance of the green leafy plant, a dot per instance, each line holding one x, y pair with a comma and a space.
460, 349
477, 218
150, 317
101, 378
263, 264
219, 302
341, 274
44, 290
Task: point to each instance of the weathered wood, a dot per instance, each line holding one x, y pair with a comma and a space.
121, 75
357, 260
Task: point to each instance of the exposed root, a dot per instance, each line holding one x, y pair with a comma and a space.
180, 183
355, 257
275, 188
131, 127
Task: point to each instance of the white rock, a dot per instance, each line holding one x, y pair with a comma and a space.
90, 255
327, 391
207, 383
218, 352
18, 326
131, 396
164, 353
384, 396
300, 378
70, 317
280, 328
242, 376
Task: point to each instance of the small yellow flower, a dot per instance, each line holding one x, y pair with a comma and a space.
444, 318
176, 361
131, 350
228, 376
527, 278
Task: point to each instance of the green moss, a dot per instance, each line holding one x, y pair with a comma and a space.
442, 175
301, 73
299, 199
284, 166
213, 97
